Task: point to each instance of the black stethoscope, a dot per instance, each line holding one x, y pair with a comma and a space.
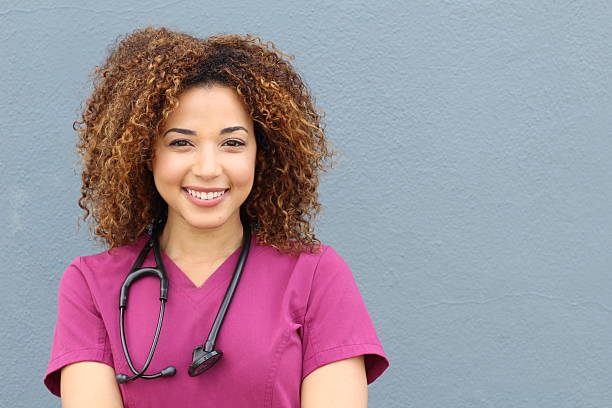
204, 356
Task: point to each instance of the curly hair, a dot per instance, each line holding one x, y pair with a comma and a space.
135, 90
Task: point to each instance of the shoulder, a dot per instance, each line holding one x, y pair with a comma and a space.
323, 252
111, 257
307, 266
297, 281
102, 266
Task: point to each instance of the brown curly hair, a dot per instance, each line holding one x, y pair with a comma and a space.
135, 90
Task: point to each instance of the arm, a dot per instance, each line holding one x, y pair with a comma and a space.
341, 384
89, 384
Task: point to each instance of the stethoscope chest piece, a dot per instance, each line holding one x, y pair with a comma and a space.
203, 360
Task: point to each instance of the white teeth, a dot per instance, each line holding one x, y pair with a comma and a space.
205, 196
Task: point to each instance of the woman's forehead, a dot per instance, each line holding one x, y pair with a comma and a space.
210, 103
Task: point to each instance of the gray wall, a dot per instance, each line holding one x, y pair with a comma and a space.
472, 197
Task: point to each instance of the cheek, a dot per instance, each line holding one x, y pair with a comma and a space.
166, 170
243, 172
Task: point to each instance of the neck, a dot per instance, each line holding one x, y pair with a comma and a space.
184, 243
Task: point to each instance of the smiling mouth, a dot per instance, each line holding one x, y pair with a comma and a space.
205, 196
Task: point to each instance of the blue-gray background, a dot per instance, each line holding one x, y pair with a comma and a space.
472, 198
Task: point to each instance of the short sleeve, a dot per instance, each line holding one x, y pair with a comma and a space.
80, 334
337, 324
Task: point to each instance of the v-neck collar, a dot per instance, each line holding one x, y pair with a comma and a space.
218, 280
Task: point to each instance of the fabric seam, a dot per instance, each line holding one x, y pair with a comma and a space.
76, 351
102, 333
307, 325
269, 394
314, 275
342, 346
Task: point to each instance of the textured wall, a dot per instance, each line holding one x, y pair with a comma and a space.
472, 197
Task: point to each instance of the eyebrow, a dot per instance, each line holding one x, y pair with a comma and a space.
192, 133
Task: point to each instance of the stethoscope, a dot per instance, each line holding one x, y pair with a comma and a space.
204, 356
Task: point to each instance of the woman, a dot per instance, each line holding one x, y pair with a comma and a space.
206, 151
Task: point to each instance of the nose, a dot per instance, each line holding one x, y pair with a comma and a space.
207, 164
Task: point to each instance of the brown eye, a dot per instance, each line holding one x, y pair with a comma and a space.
234, 143
179, 142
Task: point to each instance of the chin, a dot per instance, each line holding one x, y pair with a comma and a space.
207, 223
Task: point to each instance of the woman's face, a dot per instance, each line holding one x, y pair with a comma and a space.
204, 159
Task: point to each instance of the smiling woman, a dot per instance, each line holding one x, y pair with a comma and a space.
207, 162
207, 151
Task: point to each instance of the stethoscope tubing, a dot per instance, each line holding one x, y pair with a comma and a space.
141, 373
205, 356
212, 337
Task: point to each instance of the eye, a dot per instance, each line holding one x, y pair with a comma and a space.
233, 143
179, 142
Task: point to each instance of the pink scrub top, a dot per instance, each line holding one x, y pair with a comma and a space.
289, 315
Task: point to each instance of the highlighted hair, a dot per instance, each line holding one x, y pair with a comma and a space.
135, 90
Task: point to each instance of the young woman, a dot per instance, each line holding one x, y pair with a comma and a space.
200, 168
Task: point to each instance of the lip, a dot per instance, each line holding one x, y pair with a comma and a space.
205, 190
205, 203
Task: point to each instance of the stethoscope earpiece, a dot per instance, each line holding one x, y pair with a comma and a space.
166, 372
122, 378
